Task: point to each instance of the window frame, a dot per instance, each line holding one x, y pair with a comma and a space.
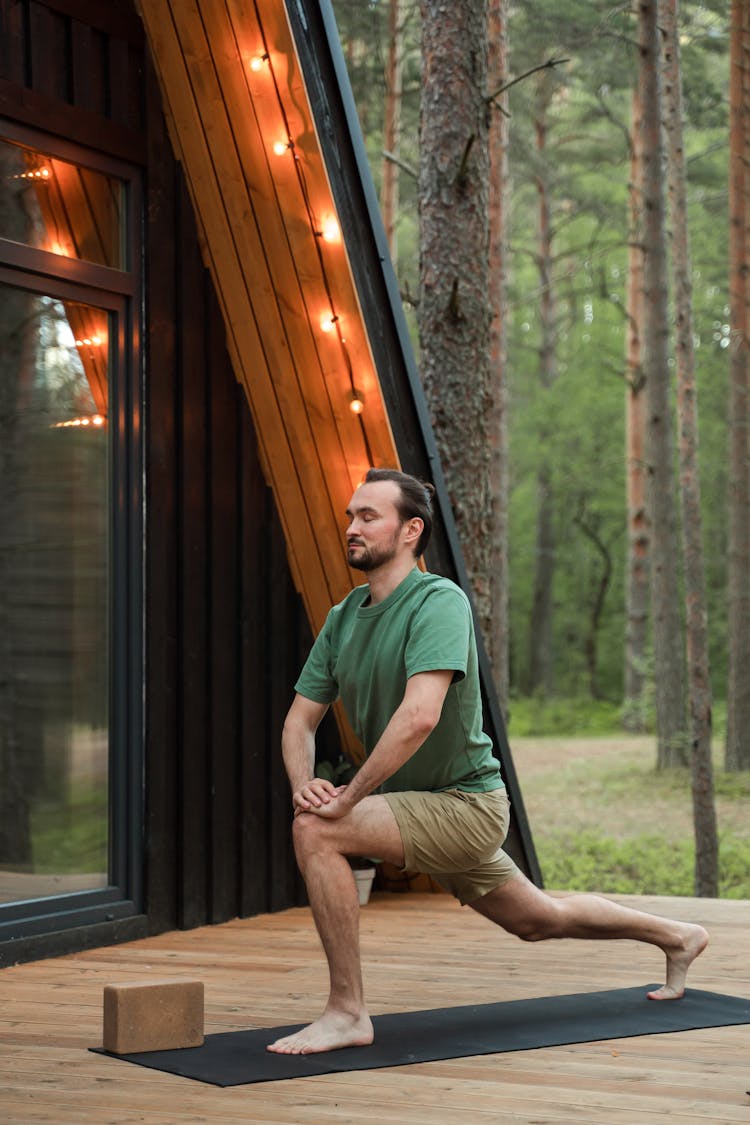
119, 292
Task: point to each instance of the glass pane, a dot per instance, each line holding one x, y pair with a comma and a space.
54, 593
65, 208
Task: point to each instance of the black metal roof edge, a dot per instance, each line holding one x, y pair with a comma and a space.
328, 87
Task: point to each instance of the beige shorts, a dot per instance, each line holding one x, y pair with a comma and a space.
456, 837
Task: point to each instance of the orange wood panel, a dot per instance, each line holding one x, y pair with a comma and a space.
258, 213
261, 353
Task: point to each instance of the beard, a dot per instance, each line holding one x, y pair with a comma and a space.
370, 558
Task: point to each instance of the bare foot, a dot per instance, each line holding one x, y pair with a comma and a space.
329, 1033
694, 940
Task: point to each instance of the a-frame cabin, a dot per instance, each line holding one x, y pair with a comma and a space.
194, 293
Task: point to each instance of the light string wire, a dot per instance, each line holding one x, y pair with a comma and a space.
316, 230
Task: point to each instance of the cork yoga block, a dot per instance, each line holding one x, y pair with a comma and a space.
154, 1015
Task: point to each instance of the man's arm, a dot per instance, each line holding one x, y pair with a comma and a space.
413, 720
298, 751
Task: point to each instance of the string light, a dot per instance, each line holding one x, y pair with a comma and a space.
89, 341
95, 420
330, 231
325, 230
36, 174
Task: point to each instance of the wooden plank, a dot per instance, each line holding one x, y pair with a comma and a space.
193, 777
50, 62
162, 506
225, 747
13, 42
255, 627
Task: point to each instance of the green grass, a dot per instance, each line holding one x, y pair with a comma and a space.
642, 865
70, 838
604, 819
544, 717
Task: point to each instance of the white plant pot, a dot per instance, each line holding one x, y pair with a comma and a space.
364, 877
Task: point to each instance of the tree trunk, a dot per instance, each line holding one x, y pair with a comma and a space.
541, 667
638, 578
669, 662
454, 306
738, 578
496, 629
392, 126
591, 640
696, 614
540, 676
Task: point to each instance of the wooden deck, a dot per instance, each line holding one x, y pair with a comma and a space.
420, 951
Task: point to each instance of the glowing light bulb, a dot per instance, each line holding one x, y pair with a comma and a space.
328, 323
98, 420
256, 62
96, 340
356, 403
280, 147
331, 231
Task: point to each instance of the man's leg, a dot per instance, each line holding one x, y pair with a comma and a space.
522, 909
321, 846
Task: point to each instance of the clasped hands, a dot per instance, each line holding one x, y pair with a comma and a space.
322, 798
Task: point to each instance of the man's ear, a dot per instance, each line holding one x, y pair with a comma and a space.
414, 528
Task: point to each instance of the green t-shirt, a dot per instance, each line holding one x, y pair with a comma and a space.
365, 654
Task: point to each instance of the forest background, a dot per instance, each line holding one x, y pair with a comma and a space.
567, 316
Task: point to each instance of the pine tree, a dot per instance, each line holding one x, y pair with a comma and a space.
669, 662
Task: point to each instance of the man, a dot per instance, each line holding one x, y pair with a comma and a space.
401, 653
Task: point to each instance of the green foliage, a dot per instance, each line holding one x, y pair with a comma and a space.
339, 772
549, 717
71, 837
639, 865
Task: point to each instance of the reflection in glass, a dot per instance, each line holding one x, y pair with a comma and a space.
54, 593
61, 207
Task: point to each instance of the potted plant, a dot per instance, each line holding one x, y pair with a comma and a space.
341, 773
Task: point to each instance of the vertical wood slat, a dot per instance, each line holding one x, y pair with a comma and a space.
84, 86
162, 609
50, 58
255, 627
225, 748
193, 575
13, 42
282, 650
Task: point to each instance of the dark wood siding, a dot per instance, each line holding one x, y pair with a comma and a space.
225, 632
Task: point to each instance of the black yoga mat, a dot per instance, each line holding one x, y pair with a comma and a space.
234, 1058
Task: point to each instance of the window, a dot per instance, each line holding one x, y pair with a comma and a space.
70, 537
